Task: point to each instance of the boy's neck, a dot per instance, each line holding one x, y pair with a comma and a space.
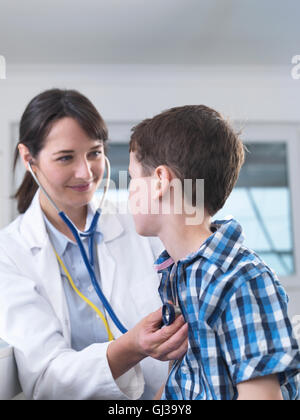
180, 239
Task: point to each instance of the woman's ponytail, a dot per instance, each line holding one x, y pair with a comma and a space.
26, 190
25, 193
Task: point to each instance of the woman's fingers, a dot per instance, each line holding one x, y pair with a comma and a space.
175, 346
154, 341
166, 332
179, 352
155, 319
171, 341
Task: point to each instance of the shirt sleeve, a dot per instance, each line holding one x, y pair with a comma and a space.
256, 337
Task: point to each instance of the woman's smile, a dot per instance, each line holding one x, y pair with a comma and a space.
81, 187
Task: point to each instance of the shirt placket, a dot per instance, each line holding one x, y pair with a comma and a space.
181, 292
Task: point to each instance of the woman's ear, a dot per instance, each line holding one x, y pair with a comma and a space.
25, 155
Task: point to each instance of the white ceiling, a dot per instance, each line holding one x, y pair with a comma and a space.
183, 32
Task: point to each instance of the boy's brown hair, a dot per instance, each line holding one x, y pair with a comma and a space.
195, 142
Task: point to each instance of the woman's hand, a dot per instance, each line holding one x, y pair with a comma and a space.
148, 339
167, 343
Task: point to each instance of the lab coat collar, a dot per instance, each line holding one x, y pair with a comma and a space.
32, 226
34, 231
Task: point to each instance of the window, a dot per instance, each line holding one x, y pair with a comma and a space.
118, 154
261, 202
266, 199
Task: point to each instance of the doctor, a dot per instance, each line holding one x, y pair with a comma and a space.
61, 345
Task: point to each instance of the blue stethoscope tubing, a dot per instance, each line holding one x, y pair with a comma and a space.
89, 263
90, 233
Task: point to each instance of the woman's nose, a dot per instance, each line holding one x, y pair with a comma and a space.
83, 169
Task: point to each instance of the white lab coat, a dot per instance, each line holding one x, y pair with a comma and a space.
34, 316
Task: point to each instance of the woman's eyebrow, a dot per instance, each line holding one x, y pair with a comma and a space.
100, 144
63, 151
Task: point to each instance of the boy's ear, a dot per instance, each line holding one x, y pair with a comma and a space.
25, 155
163, 177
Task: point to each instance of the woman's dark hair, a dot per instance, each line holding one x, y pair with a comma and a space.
38, 118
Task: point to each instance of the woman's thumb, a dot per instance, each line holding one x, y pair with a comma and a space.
156, 317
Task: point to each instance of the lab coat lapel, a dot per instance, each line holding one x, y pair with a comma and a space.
45, 264
50, 276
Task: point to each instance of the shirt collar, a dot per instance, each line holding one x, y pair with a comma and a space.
58, 239
220, 248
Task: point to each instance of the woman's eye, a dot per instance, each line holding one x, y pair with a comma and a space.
96, 153
64, 158
93, 154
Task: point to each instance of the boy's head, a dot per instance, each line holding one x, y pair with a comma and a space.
194, 142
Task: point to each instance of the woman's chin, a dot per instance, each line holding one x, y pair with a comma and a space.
78, 199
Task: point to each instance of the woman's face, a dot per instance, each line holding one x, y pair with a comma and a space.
71, 165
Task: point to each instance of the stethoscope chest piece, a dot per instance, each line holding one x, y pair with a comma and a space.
170, 313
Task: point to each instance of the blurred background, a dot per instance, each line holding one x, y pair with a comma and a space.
135, 58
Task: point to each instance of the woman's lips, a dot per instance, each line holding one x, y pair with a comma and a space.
81, 188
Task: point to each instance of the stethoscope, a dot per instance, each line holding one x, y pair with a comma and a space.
90, 234
171, 311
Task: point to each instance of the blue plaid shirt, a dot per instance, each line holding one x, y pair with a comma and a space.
236, 310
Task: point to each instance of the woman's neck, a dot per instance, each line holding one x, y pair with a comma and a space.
77, 215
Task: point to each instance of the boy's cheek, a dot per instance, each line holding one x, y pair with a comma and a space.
143, 226
139, 208
138, 197
138, 205
139, 224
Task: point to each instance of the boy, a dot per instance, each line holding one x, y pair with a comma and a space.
241, 343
